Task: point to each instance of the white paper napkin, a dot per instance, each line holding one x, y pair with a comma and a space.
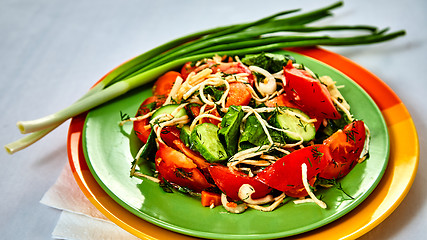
79, 220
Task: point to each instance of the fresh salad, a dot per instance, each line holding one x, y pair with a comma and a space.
247, 132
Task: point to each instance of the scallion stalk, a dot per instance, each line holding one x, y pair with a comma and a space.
237, 39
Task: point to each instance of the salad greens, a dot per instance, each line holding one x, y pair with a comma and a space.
235, 143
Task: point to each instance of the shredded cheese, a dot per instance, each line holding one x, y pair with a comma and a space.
307, 187
205, 115
139, 118
174, 90
364, 153
277, 201
343, 108
333, 90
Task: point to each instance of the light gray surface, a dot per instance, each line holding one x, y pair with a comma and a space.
51, 52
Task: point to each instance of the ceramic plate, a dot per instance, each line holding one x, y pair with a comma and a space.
109, 151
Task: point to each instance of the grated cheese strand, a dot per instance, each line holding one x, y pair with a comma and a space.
270, 208
176, 86
138, 174
344, 109
139, 118
307, 187
205, 115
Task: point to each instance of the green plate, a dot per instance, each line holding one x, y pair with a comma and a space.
109, 151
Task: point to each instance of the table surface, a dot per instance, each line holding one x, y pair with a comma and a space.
51, 52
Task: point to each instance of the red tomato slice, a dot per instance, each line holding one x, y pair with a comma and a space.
285, 174
169, 135
238, 95
233, 68
229, 182
195, 156
195, 111
300, 192
164, 83
227, 68
345, 147
142, 127
210, 198
309, 93
281, 101
187, 69
177, 168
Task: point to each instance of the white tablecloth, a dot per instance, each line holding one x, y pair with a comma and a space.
52, 51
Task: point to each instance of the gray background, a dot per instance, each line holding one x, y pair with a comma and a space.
52, 51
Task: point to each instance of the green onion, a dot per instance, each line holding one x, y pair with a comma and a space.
266, 34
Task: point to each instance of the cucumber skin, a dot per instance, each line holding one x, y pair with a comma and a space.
169, 109
204, 139
280, 123
185, 135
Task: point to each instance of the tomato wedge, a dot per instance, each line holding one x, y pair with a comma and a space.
238, 95
142, 127
307, 92
164, 83
177, 168
194, 109
210, 198
169, 135
229, 182
187, 69
345, 147
285, 174
281, 101
195, 156
224, 67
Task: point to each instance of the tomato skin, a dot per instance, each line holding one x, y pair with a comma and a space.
345, 147
308, 93
209, 198
195, 156
225, 67
286, 174
177, 168
229, 182
282, 101
195, 111
300, 192
238, 95
187, 69
169, 135
142, 127
164, 83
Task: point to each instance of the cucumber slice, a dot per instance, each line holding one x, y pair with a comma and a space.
290, 119
204, 138
185, 135
168, 109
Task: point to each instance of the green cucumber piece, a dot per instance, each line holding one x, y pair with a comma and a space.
295, 125
204, 139
168, 109
185, 135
